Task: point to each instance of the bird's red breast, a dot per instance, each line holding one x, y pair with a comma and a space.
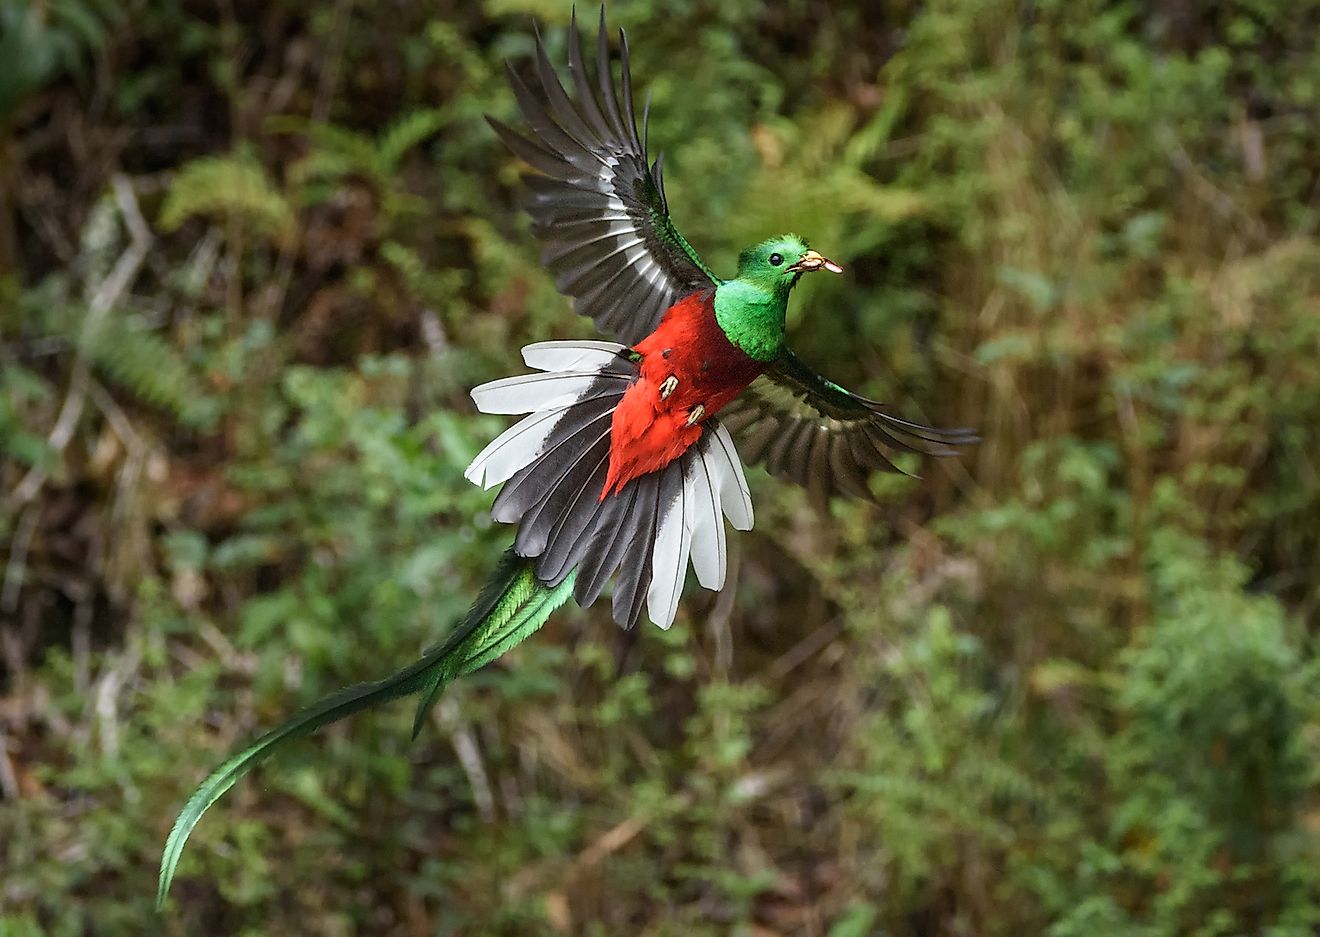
689, 370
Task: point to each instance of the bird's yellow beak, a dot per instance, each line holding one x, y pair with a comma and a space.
811, 260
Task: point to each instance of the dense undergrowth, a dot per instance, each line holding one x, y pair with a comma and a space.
252, 255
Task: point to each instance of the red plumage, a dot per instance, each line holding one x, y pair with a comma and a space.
650, 430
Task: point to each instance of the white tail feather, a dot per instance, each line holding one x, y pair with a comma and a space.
512, 450
708, 544
571, 355
528, 393
669, 562
735, 497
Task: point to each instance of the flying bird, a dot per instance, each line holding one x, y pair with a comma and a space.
630, 457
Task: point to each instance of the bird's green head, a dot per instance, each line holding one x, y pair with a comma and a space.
751, 307
776, 263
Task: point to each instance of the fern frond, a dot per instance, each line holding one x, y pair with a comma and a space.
20, 390
127, 354
436, 288
404, 134
330, 165
338, 151
344, 146
228, 186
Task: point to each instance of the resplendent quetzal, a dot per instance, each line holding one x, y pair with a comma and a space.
627, 464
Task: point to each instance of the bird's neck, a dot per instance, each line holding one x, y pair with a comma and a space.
752, 316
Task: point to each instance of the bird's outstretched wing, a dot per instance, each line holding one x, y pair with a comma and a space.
599, 212
812, 431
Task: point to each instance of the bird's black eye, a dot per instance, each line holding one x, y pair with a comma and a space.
776, 259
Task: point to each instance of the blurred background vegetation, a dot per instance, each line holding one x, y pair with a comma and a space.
252, 256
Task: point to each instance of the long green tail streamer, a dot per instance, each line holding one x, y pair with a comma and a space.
512, 605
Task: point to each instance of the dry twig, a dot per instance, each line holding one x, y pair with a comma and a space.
103, 298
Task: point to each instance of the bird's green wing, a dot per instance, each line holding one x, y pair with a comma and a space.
812, 431
597, 208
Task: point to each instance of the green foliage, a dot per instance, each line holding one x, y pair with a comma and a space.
229, 187
338, 153
21, 390
1065, 685
123, 348
38, 41
118, 343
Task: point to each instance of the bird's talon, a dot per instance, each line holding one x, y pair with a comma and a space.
669, 385
696, 414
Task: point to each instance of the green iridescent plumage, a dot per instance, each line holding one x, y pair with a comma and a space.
752, 307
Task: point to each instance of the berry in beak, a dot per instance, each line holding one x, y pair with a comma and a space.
811, 260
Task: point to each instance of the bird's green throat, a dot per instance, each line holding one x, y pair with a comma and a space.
751, 307
752, 317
